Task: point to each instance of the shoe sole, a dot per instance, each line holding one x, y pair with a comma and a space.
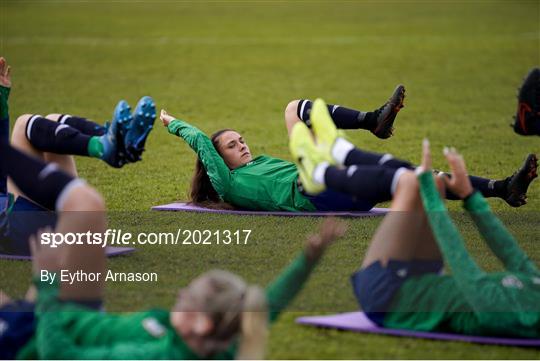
385, 127
122, 116
142, 124
523, 178
118, 126
324, 129
297, 152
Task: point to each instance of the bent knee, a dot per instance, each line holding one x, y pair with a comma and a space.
19, 134
407, 181
291, 110
291, 114
83, 197
21, 122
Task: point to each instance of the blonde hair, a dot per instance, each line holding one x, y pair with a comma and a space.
254, 328
237, 310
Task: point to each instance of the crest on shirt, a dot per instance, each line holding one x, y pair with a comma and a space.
153, 327
511, 281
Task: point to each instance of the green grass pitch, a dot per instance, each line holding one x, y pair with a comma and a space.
237, 64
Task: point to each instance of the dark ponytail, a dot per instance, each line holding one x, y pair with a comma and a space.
202, 192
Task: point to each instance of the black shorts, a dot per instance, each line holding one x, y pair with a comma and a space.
23, 221
375, 286
331, 200
18, 325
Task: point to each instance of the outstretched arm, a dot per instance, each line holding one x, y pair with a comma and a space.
465, 271
215, 166
288, 284
499, 240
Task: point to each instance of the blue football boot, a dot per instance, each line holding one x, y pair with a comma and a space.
114, 152
141, 124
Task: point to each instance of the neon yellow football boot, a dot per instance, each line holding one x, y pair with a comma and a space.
307, 156
324, 129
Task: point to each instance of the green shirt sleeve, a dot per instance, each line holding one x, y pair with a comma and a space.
500, 241
287, 285
217, 170
4, 96
465, 271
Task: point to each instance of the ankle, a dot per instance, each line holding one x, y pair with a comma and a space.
95, 146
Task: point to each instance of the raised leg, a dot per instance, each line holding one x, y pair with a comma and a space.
65, 161
83, 211
404, 233
20, 141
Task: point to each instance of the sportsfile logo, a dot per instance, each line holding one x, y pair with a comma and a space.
117, 237
110, 237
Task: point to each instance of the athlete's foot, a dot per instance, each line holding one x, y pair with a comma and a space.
386, 114
324, 129
307, 157
519, 182
114, 152
141, 125
527, 117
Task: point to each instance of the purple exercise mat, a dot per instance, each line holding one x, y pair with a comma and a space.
187, 207
358, 322
109, 251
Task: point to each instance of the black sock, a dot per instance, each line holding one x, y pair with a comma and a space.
343, 118
83, 125
361, 157
50, 136
491, 187
488, 187
373, 183
43, 183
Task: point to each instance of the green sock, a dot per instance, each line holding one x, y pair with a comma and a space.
95, 147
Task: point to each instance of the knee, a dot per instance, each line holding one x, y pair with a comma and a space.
291, 115
18, 135
20, 123
407, 182
84, 198
291, 111
54, 117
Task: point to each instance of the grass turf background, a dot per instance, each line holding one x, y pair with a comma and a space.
237, 64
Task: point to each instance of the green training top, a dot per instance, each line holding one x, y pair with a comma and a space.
470, 301
4, 108
70, 331
265, 183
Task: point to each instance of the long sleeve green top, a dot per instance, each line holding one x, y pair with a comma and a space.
265, 183
70, 331
470, 301
4, 107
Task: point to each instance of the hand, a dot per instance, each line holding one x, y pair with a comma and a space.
44, 257
459, 183
5, 73
426, 156
329, 231
165, 117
